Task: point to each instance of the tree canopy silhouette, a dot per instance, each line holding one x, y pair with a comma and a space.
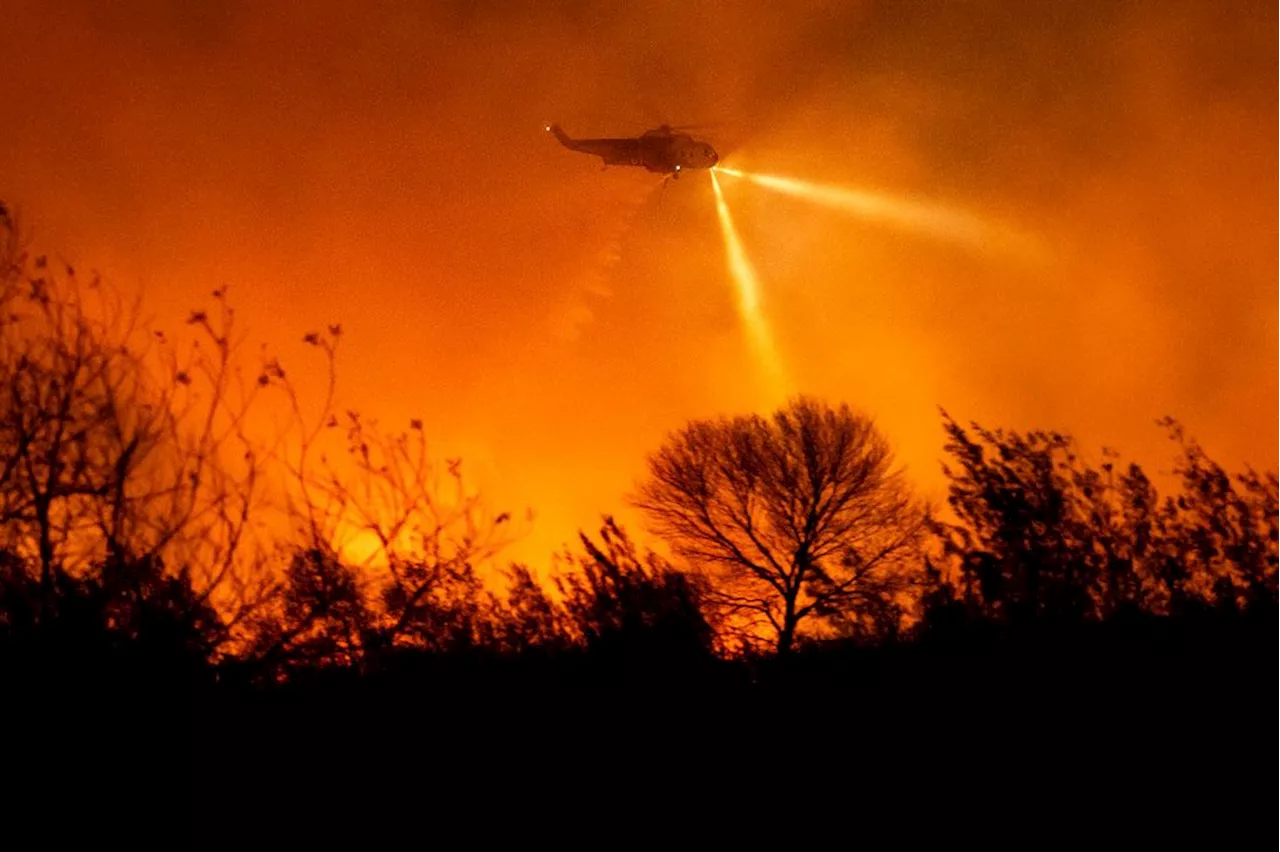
797, 518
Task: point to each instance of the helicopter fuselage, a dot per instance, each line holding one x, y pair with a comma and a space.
660, 151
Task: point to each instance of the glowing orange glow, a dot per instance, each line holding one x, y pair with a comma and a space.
360, 546
744, 278
929, 220
550, 320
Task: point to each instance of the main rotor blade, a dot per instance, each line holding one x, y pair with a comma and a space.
706, 125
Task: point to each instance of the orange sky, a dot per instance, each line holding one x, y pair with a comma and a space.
550, 321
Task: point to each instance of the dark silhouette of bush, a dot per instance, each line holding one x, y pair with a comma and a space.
1048, 555
634, 615
102, 672
120, 626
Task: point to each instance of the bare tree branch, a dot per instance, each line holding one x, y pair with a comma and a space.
800, 517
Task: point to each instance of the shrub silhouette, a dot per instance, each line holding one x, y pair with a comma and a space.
1040, 537
120, 625
629, 610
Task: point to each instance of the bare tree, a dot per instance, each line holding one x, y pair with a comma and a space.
389, 541
116, 447
798, 518
126, 456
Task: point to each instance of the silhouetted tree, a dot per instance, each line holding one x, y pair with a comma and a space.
1024, 530
118, 453
796, 518
1216, 540
423, 531
1041, 536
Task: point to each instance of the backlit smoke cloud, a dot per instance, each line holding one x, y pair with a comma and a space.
385, 165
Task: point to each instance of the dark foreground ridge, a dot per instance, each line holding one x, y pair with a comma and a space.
1112, 725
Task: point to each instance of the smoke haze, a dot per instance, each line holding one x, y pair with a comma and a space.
549, 321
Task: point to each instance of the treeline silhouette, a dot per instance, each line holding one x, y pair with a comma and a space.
162, 569
129, 485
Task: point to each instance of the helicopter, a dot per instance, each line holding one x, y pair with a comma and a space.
663, 150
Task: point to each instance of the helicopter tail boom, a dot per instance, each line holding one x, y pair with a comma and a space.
564, 138
614, 152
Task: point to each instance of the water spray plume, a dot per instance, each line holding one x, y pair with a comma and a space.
744, 279
930, 220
